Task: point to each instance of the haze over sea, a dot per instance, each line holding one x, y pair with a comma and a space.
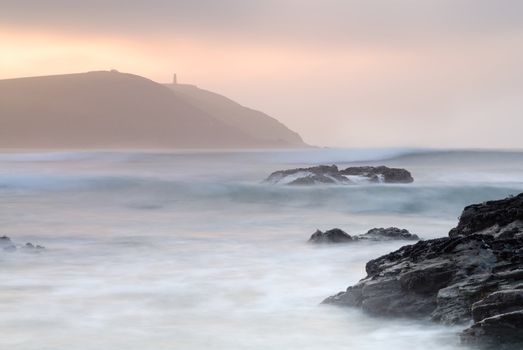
191, 250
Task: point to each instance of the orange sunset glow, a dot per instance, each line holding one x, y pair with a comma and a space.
348, 72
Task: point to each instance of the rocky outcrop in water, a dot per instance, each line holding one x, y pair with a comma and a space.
330, 174
7, 245
337, 235
331, 236
474, 274
389, 233
380, 174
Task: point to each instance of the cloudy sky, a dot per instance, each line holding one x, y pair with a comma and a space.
435, 73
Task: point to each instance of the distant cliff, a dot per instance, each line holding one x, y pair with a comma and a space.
254, 124
117, 110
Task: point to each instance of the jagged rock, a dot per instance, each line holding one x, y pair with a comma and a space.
389, 233
330, 174
331, 236
324, 174
492, 218
376, 234
476, 273
497, 303
502, 331
498, 320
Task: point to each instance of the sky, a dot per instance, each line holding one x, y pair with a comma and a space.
342, 73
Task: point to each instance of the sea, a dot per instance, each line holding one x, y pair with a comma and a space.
159, 249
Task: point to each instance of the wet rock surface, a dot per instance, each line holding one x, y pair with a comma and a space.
475, 274
330, 174
496, 218
337, 235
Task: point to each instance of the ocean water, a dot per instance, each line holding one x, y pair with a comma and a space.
190, 250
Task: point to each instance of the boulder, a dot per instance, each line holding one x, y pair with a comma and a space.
6, 244
390, 233
380, 174
331, 236
330, 174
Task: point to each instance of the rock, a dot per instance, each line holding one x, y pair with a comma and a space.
492, 217
331, 236
376, 234
330, 174
475, 274
390, 233
497, 303
498, 320
307, 176
32, 247
502, 331
7, 245
380, 174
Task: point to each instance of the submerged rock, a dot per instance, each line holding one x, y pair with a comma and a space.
475, 274
376, 234
380, 174
390, 233
32, 247
330, 174
331, 236
7, 245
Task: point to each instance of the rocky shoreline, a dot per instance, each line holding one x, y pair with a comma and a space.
330, 174
473, 276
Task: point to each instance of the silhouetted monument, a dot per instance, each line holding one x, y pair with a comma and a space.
175, 79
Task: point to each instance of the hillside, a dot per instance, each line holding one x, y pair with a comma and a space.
255, 124
116, 110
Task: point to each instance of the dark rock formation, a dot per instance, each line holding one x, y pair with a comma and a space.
330, 174
491, 217
7, 245
308, 176
389, 175
476, 273
376, 234
390, 233
503, 331
498, 303
31, 247
331, 236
